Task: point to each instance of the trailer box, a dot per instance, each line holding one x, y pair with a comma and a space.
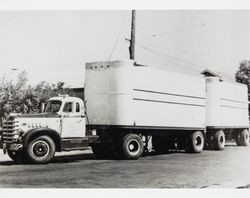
125, 94
226, 104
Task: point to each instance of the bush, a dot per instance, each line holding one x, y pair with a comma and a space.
19, 97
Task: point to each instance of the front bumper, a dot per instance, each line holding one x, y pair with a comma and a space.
12, 147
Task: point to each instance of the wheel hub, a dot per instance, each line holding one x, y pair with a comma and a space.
221, 139
133, 146
198, 141
40, 149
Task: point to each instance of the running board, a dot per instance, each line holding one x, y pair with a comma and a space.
77, 143
69, 144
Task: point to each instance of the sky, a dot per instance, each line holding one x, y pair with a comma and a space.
55, 45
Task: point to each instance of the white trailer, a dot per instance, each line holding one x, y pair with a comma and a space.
226, 112
128, 103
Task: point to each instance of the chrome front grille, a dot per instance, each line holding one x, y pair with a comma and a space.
9, 128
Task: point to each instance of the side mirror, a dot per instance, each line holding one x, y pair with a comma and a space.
42, 107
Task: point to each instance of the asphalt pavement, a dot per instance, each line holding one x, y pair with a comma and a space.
177, 169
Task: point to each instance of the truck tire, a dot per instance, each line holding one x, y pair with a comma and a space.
242, 138
41, 150
17, 156
102, 151
196, 142
132, 146
219, 140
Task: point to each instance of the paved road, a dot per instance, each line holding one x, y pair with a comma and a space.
210, 169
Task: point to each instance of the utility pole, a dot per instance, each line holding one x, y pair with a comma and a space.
132, 39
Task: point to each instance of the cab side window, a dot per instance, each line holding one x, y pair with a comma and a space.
77, 107
68, 107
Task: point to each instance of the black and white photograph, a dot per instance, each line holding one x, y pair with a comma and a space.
125, 99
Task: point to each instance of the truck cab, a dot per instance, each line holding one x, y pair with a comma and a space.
36, 137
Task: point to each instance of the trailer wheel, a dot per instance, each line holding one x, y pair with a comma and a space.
17, 156
196, 143
132, 146
41, 150
219, 140
102, 151
243, 138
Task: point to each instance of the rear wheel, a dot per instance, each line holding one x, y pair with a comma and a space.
242, 138
196, 142
41, 150
219, 140
132, 146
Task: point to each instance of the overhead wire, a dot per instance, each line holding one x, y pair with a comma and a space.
172, 49
118, 36
180, 30
191, 65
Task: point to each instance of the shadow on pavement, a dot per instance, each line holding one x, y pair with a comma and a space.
73, 158
231, 145
81, 157
8, 163
57, 159
69, 158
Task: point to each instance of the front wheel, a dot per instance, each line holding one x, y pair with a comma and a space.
41, 150
132, 146
196, 142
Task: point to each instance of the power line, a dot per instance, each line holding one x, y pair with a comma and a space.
176, 50
193, 65
118, 36
189, 52
180, 30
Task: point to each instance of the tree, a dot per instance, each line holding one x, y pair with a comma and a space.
12, 95
43, 91
243, 74
19, 97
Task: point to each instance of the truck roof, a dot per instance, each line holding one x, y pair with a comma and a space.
66, 98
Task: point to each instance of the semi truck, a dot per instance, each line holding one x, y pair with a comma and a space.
130, 108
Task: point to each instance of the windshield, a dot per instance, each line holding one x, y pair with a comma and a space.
53, 106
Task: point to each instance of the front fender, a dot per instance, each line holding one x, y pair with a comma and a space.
41, 131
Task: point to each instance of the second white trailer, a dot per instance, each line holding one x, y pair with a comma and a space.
226, 112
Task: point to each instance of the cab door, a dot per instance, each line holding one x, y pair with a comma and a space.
73, 120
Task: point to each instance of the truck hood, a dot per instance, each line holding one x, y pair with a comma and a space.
39, 115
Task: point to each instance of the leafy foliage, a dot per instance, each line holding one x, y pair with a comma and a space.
19, 97
243, 74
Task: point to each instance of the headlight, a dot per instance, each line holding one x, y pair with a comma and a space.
16, 136
18, 132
